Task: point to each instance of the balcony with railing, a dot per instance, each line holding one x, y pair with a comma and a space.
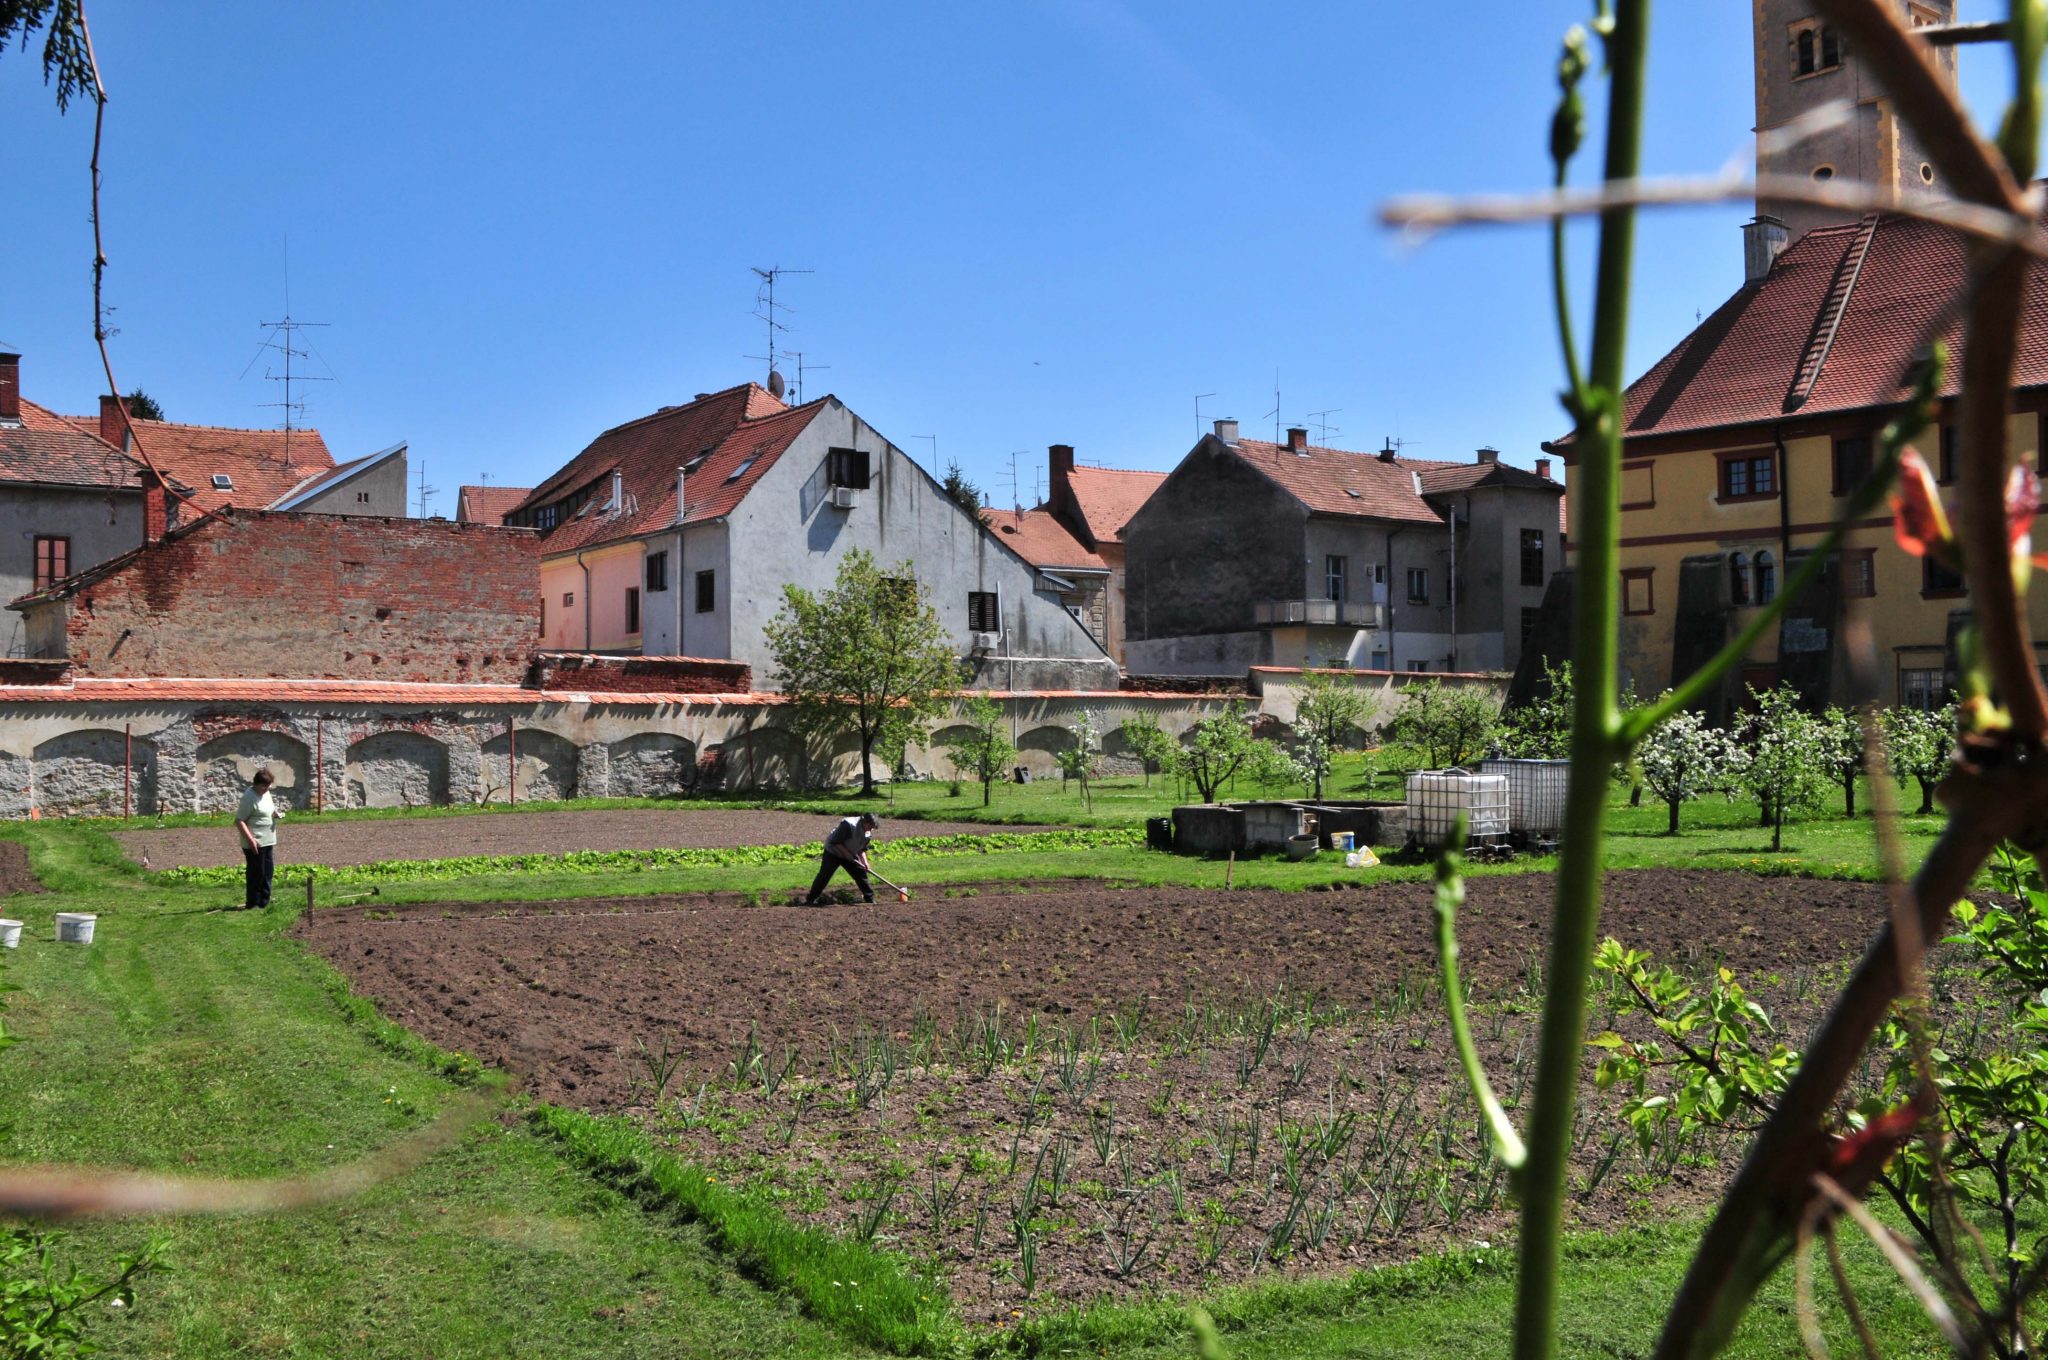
1345, 613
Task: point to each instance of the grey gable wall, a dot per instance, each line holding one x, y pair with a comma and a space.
1215, 538
786, 533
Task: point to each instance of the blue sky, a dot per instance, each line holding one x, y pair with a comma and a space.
1036, 222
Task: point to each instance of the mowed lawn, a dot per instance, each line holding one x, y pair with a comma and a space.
207, 1043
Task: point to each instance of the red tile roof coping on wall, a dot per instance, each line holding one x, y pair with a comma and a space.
639, 674
87, 689
1361, 670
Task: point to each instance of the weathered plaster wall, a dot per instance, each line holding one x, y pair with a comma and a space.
100, 524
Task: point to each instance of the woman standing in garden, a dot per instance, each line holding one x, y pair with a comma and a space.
256, 822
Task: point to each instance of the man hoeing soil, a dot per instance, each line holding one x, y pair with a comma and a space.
846, 848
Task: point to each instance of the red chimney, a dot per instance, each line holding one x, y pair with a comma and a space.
114, 421
1543, 468
1297, 439
1489, 455
156, 508
10, 387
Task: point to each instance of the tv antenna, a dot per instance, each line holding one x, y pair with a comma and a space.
283, 338
765, 309
935, 451
1275, 412
1016, 503
1324, 428
797, 397
1198, 411
425, 492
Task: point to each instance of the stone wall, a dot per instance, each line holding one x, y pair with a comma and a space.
64, 752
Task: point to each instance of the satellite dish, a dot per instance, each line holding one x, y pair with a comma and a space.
776, 386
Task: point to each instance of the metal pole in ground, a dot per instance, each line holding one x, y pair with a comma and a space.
127, 769
511, 764
309, 892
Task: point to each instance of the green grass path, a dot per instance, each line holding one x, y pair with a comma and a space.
205, 1042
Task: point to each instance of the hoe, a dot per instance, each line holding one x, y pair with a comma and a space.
902, 893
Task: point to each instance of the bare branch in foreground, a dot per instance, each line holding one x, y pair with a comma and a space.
60, 1193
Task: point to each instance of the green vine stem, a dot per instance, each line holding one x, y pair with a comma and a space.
1450, 895
1595, 723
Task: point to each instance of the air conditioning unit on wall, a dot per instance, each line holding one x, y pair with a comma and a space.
845, 497
985, 642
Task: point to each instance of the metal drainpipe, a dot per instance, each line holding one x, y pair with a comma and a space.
1392, 664
586, 601
1784, 499
1452, 584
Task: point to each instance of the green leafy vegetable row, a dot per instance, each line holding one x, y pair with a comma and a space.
628, 861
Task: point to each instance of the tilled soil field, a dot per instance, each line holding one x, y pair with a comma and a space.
309, 840
556, 992
1052, 1091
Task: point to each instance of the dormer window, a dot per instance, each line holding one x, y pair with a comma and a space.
223, 482
690, 468
739, 471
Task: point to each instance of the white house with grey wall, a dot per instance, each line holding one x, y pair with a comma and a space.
675, 535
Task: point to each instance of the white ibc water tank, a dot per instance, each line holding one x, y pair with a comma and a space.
1437, 797
1536, 794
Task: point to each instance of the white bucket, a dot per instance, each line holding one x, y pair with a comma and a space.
10, 934
75, 927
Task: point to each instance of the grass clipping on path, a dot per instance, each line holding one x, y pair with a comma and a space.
616, 861
865, 1293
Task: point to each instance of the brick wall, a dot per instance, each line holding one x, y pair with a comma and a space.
640, 674
314, 597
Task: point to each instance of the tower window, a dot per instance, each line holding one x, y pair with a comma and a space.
1830, 49
1806, 53
1824, 173
1926, 173
1738, 579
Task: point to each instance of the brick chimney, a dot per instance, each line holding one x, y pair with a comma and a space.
1297, 439
1387, 452
1059, 460
156, 508
1543, 468
1226, 430
10, 387
1489, 455
114, 421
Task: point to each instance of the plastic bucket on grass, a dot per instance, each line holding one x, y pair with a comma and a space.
75, 927
1343, 840
10, 934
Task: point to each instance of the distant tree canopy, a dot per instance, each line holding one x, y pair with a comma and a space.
141, 405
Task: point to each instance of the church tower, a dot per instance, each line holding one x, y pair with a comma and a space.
1803, 64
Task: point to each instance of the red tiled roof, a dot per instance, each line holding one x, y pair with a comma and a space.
1739, 366
1108, 497
1441, 477
47, 447
489, 504
740, 431
1339, 482
253, 459
1040, 539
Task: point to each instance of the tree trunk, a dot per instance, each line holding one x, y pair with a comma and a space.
1849, 795
1926, 796
987, 789
867, 767
1635, 795
1778, 827
1674, 815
